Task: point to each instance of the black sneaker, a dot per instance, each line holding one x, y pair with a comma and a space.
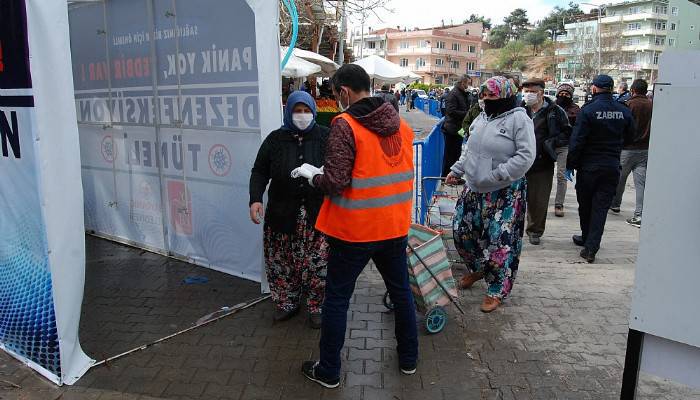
408, 369
283, 315
615, 210
578, 240
308, 368
588, 255
635, 221
534, 240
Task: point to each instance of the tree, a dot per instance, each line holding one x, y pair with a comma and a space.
535, 39
479, 18
498, 37
512, 57
555, 21
517, 22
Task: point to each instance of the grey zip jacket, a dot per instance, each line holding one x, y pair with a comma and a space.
499, 151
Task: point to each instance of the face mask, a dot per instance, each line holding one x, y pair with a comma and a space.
530, 99
341, 107
493, 108
302, 120
481, 103
564, 100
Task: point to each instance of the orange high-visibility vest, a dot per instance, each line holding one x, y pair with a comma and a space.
377, 204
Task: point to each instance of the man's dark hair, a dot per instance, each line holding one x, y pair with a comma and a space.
352, 76
640, 86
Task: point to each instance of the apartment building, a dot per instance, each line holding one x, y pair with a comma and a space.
439, 55
370, 42
633, 34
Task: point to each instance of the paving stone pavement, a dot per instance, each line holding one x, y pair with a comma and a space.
561, 335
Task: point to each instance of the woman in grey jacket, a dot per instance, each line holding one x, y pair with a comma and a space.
490, 216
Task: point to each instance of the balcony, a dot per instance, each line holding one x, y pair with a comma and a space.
646, 31
643, 47
642, 16
421, 51
434, 69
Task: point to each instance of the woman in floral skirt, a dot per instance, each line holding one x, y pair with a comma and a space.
490, 216
295, 252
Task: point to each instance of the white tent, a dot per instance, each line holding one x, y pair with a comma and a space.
297, 67
386, 71
328, 66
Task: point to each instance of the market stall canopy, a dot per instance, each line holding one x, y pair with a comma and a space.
297, 67
328, 66
386, 71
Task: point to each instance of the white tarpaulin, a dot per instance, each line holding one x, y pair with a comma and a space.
173, 99
386, 71
297, 67
42, 248
328, 66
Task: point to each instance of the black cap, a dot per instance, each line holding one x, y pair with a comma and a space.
604, 82
534, 82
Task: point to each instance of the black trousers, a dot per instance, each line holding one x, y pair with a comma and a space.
453, 149
595, 190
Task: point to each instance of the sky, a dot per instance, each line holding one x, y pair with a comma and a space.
428, 13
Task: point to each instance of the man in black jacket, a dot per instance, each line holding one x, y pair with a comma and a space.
457, 104
602, 128
551, 127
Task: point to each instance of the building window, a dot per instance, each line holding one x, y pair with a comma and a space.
471, 49
632, 41
440, 45
674, 10
403, 62
656, 59
438, 79
673, 26
456, 46
371, 45
635, 26
661, 26
422, 43
634, 10
660, 41
671, 42
454, 64
661, 9
404, 45
471, 66
439, 62
420, 62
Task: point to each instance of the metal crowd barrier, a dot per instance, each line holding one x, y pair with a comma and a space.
428, 163
428, 106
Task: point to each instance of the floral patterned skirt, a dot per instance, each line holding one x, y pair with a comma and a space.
296, 263
488, 232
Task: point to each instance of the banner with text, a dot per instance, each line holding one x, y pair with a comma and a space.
42, 252
167, 98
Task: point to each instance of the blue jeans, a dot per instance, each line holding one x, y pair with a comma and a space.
345, 263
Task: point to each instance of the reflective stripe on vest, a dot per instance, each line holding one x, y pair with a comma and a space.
377, 204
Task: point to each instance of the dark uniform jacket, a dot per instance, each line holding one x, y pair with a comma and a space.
602, 128
551, 128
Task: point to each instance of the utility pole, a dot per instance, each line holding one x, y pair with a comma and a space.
341, 33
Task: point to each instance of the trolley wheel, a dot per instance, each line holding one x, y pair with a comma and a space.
387, 302
435, 319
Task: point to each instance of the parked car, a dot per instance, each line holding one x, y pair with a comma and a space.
422, 94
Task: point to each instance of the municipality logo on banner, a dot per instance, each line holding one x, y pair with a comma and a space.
32, 327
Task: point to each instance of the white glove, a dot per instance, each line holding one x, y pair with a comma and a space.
307, 171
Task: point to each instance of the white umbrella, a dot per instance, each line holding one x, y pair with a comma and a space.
328, 66
386, 71
298, 68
